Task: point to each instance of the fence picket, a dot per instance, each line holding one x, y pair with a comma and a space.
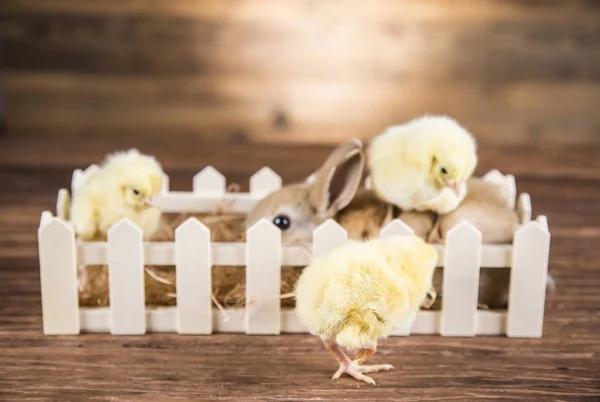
90, 170
193, 273
126, 279
511, 189
264, 182
462, 262
493, 176
528, 281
80, 176
76, 181
263, 279
396, 228
58, 277
165, 184
524, 208
209, 180
63, 204
328, 236
507, 182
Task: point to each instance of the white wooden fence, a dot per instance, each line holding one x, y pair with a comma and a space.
193, 255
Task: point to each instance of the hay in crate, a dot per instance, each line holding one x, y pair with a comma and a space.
228, 282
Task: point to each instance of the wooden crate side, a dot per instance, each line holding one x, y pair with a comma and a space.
163, 253
126, 279
193, 274
461, 281
164, 320
58, 277
178, 201
528, 281
263, 279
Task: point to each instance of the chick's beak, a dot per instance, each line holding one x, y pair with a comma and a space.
151, 202
456, 187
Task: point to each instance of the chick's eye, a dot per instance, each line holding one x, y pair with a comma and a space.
136, 192
443, 170
282, 222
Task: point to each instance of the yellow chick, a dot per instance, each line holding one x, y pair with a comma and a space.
359, 292
123, 187
423, 165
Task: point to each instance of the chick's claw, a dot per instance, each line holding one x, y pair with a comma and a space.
357, 371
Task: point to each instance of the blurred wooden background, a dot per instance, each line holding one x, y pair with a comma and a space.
300, 70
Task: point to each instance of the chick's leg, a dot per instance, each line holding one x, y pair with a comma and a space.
353, 368
365, 354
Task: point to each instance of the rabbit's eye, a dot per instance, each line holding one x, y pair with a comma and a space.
136, 192
282, 222
443, 170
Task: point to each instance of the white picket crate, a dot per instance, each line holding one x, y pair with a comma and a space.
193, 255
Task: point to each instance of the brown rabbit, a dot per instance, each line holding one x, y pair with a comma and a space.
486, 208
298, 209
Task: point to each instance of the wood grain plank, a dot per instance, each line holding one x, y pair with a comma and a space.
318, 47
275, 11
268, 109
295, 71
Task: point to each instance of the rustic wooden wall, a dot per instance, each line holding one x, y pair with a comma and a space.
300, 70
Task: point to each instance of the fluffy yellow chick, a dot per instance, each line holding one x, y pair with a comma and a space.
359, 292
123, 187
423, 165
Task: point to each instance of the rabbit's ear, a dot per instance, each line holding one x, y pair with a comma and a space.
334, 185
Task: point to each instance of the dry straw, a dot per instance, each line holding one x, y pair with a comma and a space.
228, 282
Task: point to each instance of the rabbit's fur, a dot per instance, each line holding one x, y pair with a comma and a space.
367, 214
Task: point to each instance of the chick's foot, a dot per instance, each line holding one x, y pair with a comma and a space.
355, 368
358, 371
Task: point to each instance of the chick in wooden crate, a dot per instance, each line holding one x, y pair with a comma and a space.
124, 186
359, 292
423, 165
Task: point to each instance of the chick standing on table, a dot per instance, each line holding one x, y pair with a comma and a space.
359, 292
423, 165
123, 187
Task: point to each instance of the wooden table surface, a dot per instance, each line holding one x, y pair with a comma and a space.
564, 365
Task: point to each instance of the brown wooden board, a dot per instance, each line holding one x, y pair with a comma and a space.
300, 70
